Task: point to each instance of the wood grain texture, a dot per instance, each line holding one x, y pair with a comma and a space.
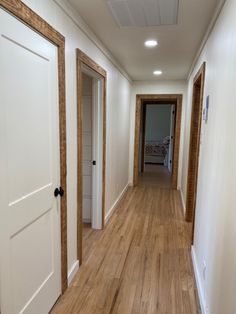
140, 262
136, 139
83, 59
91, 63
18, 9
143, 136
194, 145
163, 99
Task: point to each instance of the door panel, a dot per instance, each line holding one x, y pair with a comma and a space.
29, 141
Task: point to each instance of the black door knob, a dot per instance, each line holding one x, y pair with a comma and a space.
59, 191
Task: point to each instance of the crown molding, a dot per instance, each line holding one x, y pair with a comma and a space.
207, 35
68, 9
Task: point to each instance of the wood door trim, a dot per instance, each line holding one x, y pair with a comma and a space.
83, 59
143, 137
194, 152
18, 9
165, 99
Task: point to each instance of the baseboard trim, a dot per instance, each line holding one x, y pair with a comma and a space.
182, 201
155, 163
73, 271
87, 221
200, 290
115, 205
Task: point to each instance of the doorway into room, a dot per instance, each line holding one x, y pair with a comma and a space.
194, 145
91, 149
92, 153
157, 138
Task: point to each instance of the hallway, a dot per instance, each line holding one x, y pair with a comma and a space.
141, 262
155, 175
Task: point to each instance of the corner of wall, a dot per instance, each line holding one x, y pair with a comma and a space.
72, 272
203, 305
116, 203
182, 200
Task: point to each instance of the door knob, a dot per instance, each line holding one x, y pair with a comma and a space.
59, 191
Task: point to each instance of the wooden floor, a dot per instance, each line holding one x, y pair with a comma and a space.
141, 262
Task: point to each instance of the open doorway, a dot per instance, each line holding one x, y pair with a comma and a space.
194, 146
157, 138
91, 149
92, 153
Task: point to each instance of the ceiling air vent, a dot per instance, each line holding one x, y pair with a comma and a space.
143, 13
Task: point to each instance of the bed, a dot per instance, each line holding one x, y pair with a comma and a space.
157, 151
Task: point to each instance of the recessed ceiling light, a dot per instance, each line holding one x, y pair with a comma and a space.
157, 72
151, 43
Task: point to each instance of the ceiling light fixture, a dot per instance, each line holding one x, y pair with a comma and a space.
157, 72
151, 43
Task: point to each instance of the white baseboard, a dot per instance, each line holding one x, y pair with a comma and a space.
73, 271
87, 221
114, 206
200, 289
183, 201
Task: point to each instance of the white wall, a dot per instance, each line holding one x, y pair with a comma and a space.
157, 122
156, 87
118, 112
215, 230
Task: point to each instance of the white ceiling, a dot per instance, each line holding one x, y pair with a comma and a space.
178, 44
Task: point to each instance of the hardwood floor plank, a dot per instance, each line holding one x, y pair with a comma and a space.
141, 262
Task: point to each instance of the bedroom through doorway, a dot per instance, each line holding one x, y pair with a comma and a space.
156, 143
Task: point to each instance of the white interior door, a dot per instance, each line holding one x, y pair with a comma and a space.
172, 134
29, 170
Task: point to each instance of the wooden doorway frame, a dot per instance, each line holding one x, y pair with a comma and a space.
194, 144
164, 99
83, 59
143, 122
35, 22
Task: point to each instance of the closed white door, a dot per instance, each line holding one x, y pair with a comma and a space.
87, 148
29, 170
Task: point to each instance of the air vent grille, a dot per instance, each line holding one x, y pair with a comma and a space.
143, 13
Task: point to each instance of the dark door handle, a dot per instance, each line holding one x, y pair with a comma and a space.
94, 162
59, 191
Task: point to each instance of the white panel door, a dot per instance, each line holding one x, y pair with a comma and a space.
29, 170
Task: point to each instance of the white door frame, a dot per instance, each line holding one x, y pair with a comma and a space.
97, 154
